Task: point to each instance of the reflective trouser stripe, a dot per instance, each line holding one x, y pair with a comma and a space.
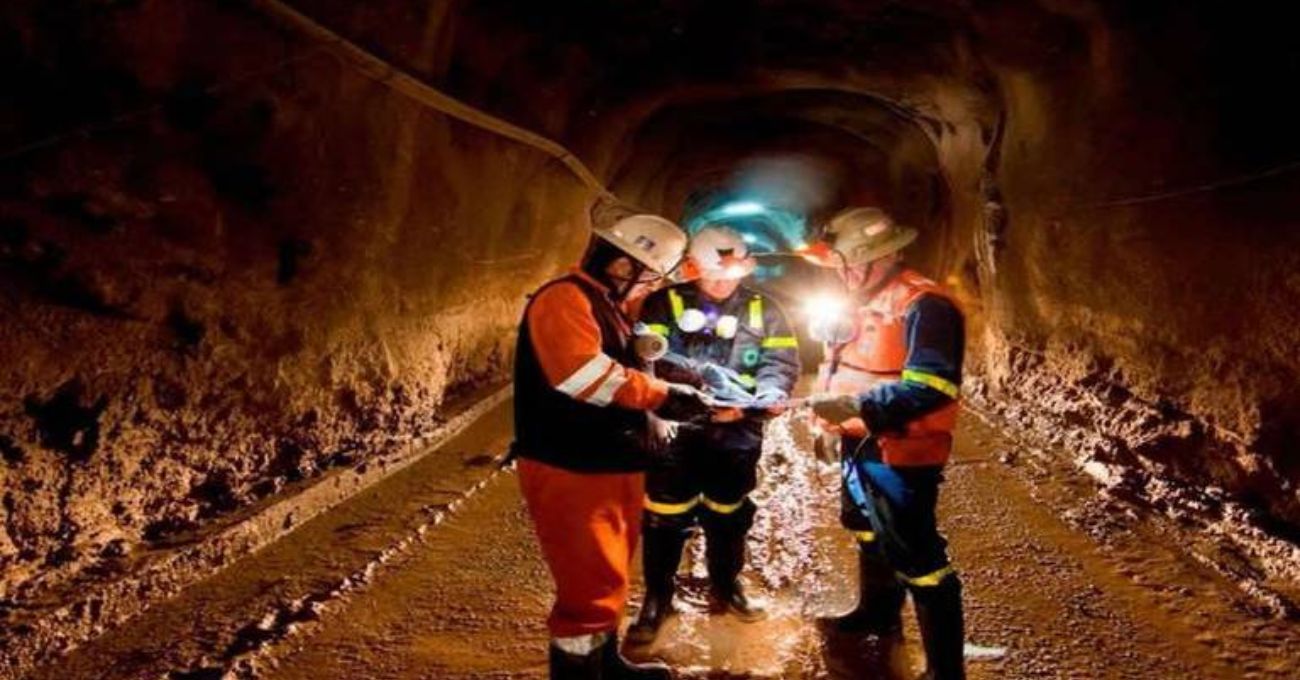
661, 329
756, 313
929, 580
686, 506
865, 536
670, 508
675, 300
722, 508
931, 380
781, 342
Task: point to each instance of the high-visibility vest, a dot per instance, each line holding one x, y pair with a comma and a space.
556, 429
877, 353
746, 309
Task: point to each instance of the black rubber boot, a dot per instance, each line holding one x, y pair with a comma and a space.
566, 666
939, 616
661, 553
724, 550
615, 667
603, 663
879, 610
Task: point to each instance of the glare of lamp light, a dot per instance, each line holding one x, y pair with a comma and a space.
749, 238
824, 307
742, 208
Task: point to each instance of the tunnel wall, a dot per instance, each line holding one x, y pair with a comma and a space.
1144, 238
283, 267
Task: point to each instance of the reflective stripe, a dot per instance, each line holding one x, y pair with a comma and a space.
661, 329
931, 380
581, 645
722, 508
675, 300
929, 580
781, 342
865, 536
605, 393
756, 313
670, 508
586, 375
747, 380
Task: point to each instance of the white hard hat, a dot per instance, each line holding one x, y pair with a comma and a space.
720, 252
862, 235
649, 239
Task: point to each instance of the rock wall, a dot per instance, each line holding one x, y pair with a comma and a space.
281, 268
1143, 287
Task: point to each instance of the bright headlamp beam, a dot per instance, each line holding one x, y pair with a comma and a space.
824, 307
742, 209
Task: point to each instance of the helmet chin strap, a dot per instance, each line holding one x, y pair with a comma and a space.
596, 262
619, 287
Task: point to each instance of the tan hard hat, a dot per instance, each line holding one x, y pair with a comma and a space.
649, 239
863, 235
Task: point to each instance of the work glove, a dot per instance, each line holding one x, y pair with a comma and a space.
835, 408
659, 433
771, 399
684, 403
724, 384
826, 446
678, 369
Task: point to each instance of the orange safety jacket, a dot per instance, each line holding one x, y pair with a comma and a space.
878, 355
580, 395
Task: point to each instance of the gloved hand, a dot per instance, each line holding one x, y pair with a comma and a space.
724, 384
659, 433
679, 369
826, 446
684, 403
835, 408
771, 399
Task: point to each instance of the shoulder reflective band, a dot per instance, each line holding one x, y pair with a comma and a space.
929, 580
781, 342
675, 300
931, 380
865, 536
756, 313
671, 508
660, 328
722, 508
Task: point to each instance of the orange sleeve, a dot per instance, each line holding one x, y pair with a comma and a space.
567, 342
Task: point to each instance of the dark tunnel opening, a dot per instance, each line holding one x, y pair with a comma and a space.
253, 249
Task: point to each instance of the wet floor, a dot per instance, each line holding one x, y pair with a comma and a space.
377, 590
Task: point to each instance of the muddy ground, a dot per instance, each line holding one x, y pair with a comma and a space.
418, 579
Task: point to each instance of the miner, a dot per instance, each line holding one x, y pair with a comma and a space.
889, 386
581, 409
744, 346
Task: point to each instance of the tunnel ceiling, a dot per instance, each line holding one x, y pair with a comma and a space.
691, 146
577, 69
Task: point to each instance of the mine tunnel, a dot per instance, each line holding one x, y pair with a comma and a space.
264, 264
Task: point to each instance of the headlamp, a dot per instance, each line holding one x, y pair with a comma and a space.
828, 319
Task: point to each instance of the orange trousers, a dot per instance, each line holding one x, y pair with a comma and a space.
588, 526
